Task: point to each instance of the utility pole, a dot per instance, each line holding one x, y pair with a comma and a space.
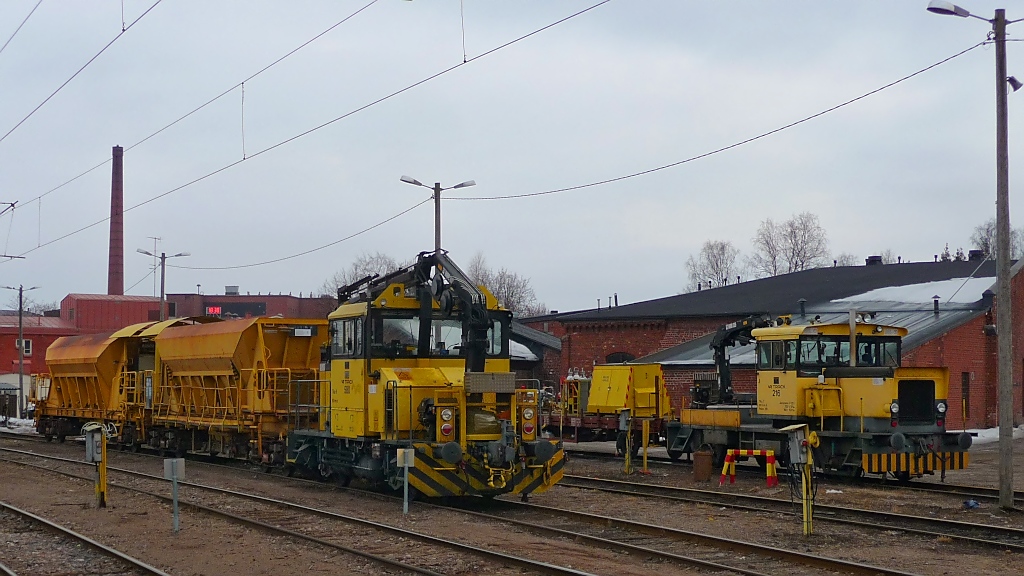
163, 269
21, 343
437, 247
1004, 318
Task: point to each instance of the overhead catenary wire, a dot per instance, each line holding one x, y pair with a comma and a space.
16, 30
79, 71
311, 250
310, 131
723, 148
851, 101
283, 142
207, 103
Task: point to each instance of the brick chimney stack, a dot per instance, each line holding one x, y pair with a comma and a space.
115, 264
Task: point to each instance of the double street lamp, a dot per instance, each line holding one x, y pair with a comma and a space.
21, 344
1004, 319
437, 203
163, 268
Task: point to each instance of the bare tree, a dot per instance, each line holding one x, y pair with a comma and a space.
984, 239
797, 244
30, 305
846, 259
714, 266
805, 242
768, 250
888, 256
512, 290
364, 265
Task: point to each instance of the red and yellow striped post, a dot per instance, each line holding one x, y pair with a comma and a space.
729, 468
730, 465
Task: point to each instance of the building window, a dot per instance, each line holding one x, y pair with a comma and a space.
619, 358
28, 346
965, 392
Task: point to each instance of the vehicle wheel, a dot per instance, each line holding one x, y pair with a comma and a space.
620, 444
48, 437
675, 455
133, 447
60, 438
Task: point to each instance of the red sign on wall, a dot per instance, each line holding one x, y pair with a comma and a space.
213, 311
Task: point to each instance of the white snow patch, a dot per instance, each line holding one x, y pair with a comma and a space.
967, 290
989, 435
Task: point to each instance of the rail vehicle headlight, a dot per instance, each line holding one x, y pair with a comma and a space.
446, 429
446, 415
528, 428
894, 408
528, 413
941, 407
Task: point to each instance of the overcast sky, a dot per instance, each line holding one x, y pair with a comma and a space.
626, 87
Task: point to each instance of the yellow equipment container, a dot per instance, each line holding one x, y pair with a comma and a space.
639, 388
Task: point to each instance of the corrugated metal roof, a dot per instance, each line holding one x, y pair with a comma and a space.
113, 297
37, 322
542, 338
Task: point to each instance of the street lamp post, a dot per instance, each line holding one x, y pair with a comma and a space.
1004, 333
437, 189
163, 269
21, 343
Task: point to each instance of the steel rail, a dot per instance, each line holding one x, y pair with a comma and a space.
957, 530
784, 554
603, 542
5, 571
541, 567
978, 492
67, 532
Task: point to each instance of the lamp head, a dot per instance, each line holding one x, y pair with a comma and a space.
141, 251
947, 9
1014, 83
412, 181
465, 184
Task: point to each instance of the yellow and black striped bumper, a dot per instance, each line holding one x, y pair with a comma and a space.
534, 479
434, 477
912, 463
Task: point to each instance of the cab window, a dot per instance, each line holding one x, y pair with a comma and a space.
770, 355
347, 337
820, 352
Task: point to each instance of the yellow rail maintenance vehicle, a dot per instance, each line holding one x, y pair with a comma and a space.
614, 399
420, 359
871, 414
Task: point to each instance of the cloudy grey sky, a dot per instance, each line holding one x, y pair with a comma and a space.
623, 88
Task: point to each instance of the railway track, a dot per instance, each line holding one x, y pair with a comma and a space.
987, 535
697, 548
663, 545
655, 543
294, 520
81, 552
975, 492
